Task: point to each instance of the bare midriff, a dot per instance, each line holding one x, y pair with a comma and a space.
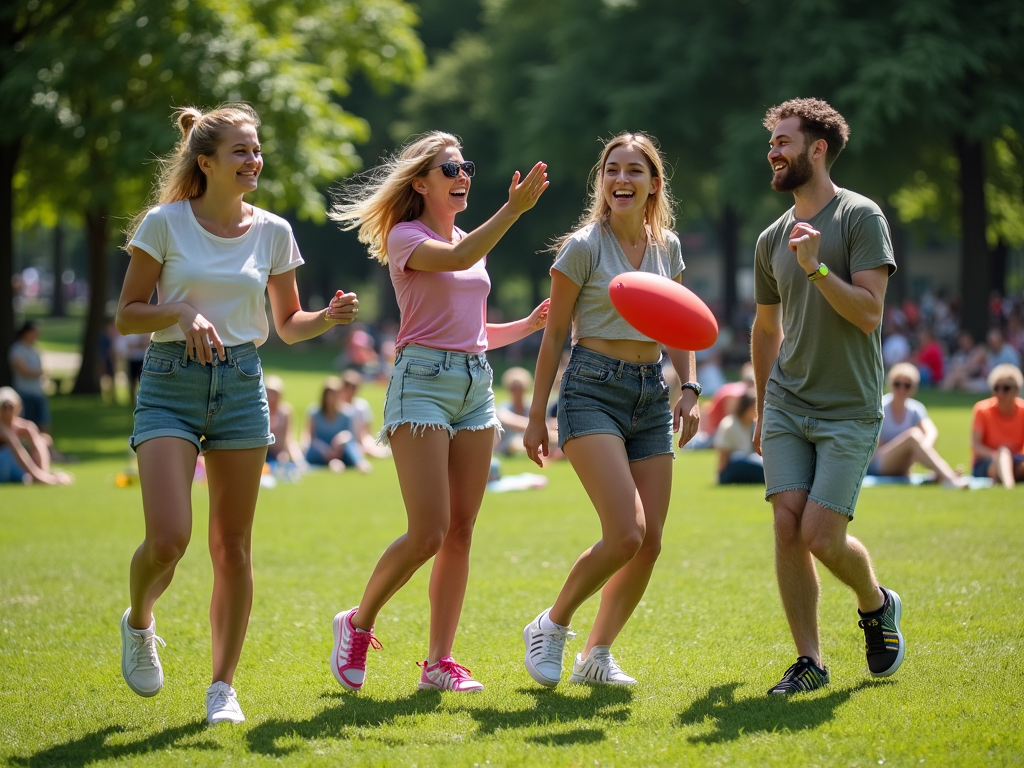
624, 349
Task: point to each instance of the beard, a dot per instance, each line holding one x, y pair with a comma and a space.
794, 175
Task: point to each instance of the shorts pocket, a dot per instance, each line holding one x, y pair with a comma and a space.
249, 367
590, 373
422, 369
159, 366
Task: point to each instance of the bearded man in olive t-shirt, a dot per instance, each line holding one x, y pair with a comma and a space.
820, 274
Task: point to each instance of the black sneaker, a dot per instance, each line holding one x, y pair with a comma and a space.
805, 675
882, 638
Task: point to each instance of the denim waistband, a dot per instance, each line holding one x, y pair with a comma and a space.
446, 357
175, 350
621, 367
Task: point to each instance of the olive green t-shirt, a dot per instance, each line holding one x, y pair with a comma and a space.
827, 367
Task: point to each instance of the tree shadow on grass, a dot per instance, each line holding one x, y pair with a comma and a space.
733, 719
93, 747
348, 710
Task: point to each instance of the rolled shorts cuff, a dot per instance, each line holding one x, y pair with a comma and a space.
833, 507
136, 440
202, 445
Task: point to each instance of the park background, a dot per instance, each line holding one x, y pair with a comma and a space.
934, 93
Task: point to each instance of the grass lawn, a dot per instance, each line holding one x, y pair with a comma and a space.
706, 642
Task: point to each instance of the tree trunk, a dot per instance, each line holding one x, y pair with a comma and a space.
1000, 256
975, 275
8, 160
58, 308
88, 380
729, 242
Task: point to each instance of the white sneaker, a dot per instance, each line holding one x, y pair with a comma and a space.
140, 664
544, 649
222, 705
599, 667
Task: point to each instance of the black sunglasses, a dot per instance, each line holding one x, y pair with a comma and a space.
902, 385
451, 168
1005, 388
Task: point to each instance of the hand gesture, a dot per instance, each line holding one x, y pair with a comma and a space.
201, 337
757, 437
686, 416
343, 308
539, 317
804, 241
522, 196
535, 440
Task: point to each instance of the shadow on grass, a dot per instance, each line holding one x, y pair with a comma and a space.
602, 705
733, 719
93, 747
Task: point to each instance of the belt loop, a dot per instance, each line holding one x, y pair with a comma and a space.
398, 353
184, 353
228, 355
619, 370
447, 360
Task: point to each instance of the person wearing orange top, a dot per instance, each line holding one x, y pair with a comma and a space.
997, 437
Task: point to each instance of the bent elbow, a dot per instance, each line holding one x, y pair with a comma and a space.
870, 323
121, 324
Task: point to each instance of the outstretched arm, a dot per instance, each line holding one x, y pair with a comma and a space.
503, 334
293, 323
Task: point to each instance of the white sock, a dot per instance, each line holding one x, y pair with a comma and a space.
547, 623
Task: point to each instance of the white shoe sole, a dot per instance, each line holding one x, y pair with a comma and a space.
334, 655
535, 673
124, 672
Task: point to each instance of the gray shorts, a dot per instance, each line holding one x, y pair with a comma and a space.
438, 389
825, 457
215, 407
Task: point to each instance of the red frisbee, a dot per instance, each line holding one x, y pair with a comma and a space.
664, 310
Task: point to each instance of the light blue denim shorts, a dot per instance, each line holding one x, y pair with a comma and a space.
215, 407
825, 457
439, 389
604, 395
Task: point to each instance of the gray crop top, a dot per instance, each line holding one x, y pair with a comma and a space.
591, 257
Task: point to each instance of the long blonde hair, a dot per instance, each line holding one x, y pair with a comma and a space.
383, 196
180, 177
660, 214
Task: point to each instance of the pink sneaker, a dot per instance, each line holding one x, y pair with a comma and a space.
447, 675
348, 660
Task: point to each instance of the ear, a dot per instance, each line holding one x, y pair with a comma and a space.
819, 149
655, 185
420, 186
204, 164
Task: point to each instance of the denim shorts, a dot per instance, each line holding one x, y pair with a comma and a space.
602, 395
215, 407
10, 469
439, 389
981, 466
825, 457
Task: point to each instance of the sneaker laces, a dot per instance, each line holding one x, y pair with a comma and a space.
144, 650
454, 669
874, 639
361, 641
603, 656
554, 649
221, 698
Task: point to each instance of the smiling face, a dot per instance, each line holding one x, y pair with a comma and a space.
440, 193
236, 166
790, 156
626, 181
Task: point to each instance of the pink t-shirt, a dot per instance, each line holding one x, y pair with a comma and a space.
441, 310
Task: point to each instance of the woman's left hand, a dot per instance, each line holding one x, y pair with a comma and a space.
343, 308
686, 416
539, 317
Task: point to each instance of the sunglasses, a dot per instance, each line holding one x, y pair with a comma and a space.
451, 168
902, 385
1005, 388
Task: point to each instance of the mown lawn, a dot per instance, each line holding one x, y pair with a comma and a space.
706, 643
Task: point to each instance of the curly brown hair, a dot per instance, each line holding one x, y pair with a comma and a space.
818, 120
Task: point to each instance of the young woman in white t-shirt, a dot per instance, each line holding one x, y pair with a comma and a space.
615, 423
439, 415
210, 256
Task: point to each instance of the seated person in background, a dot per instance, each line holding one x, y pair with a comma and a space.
997, 437
332, 439
929, 358
966, 365
359, 409
19, 464
286, 448
908, 434
722, 404
514, 415
738, 462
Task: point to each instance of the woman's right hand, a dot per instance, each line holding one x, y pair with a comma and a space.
522, 196
200, 336
535, 440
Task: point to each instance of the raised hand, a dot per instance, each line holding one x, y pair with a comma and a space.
343, 308
804, 241
523, 195
201, 338
539, 317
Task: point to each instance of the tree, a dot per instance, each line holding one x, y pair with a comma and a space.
111, 81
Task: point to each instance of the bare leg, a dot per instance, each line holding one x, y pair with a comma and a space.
1003, 466
166, 468
234, 478
824, 534
900, 454
422, 464
601, 464
623, 591
469, 462
799, 586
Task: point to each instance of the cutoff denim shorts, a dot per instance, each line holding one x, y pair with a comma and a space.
604, 395
828, 458
215, 407
439, 389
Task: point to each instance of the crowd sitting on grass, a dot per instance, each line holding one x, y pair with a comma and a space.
24, 452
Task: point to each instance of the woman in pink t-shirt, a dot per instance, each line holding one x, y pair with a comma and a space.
439, 415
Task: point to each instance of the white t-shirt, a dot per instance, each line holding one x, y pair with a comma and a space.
732, 436
223, 278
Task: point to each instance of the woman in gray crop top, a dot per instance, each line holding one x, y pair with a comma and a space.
615, 422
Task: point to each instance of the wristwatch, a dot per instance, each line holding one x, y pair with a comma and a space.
819, 273
697, 388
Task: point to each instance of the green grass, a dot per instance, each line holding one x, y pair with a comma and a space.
707, 641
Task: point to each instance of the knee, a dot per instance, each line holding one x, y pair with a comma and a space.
787, 528
823, 544
167, 550
460, 536
624, 545
650, 549
426, 544
230, 553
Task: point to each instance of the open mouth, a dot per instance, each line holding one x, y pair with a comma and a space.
623, 194
458, 193
778, 166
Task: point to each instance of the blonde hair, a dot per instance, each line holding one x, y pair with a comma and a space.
273, 383
10, 395
514, 375
383, 196
660, 213
904, 369
180, 177
1005, 371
